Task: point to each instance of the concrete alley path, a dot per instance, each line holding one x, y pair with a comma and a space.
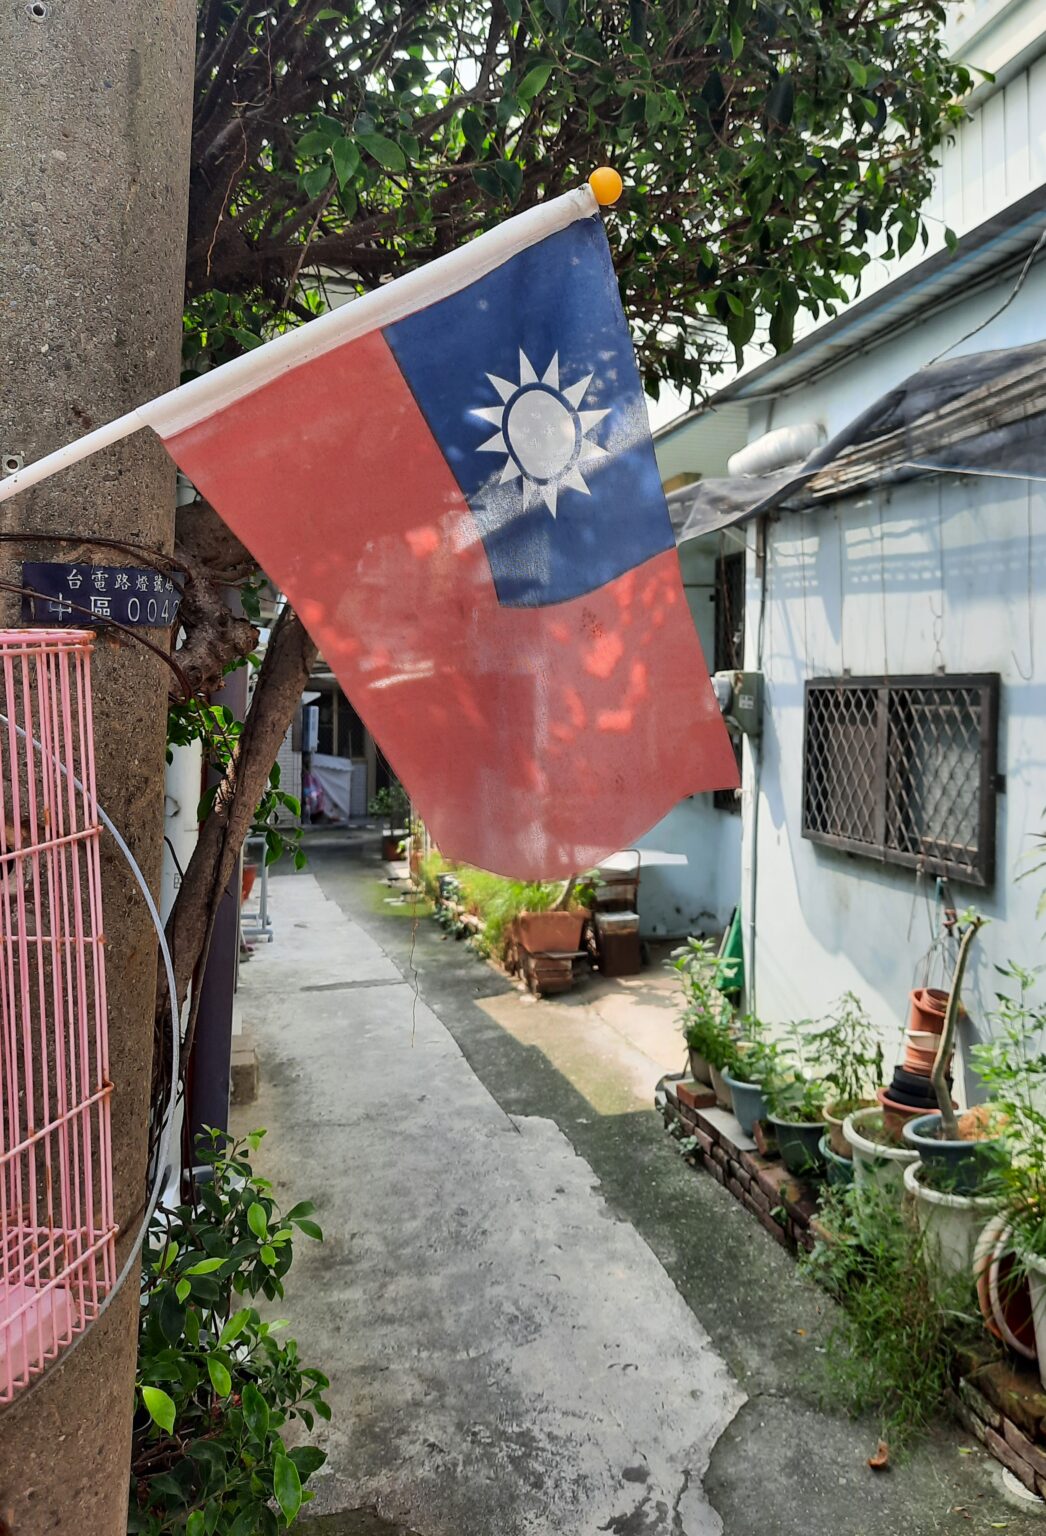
496, 1341
535, 1317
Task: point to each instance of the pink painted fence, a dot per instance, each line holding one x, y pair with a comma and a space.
57, 1233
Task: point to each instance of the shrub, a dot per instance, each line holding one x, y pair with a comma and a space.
216, 1385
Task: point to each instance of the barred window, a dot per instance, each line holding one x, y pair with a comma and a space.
903, 770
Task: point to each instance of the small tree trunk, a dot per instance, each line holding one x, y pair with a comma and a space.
949, 1124
284, 674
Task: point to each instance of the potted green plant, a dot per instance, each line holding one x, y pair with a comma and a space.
795, 1101
392, 805
958, 1152
1012, 1065
754, 1062
796, 1113
849, 1058
707, 1019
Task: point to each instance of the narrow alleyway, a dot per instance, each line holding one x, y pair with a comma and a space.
535, 1317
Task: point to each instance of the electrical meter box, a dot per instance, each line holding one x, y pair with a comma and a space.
740, 697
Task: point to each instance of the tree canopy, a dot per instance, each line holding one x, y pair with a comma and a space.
764, 144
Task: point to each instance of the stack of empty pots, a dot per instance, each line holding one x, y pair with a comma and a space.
911, 1092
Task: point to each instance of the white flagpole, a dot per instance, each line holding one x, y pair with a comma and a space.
72, 453
180, 408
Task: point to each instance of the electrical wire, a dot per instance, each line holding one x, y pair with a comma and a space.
168, 1119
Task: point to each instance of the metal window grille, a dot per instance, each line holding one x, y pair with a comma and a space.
903, 770
57, 1254
729, 652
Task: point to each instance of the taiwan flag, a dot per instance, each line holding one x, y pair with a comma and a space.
452, 480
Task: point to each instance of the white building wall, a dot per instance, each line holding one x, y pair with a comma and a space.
945, 572
698, 891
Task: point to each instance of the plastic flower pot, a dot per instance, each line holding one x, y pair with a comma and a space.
926, 1009
1036, 1268
799, 1143
950, 1224
840, 1169
748, 1101
700, 1070
878, 1165
836, 1123
1009, 1293
723, 1096
960, 1166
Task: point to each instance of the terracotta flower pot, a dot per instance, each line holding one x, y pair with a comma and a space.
921, 1062
723, 1095
836, 1122
551, 932
700, 1070
895, 1115
1003, 1293
926, 1008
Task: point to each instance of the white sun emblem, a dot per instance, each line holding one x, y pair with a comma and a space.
541, 432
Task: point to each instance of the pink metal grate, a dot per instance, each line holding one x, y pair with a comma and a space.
57, 1234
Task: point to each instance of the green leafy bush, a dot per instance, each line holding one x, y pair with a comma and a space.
707, 1019
890, 1352
216, 1384
847, 1053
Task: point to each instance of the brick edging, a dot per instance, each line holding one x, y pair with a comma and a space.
1003, 1407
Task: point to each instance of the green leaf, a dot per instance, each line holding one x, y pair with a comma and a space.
160, 1407
194, 1526
310, 1229
533, 83
221, 1381
308, 1459
167, 1256
315, 181
268, 1255
312, 143
206, 1266
255, 1411
286, 1484
737, 40
303, 1208
736, 305
234, 1327
346, 163
858, 73
257, 1220
182, 1289
384, 151
488, 181
511, 176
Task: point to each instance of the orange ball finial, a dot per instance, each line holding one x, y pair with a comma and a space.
606, 184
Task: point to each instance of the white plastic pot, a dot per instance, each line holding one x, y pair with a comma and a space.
877, 1168
1036, 1269
950, 1224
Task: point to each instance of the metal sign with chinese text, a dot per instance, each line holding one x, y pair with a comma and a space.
81, 595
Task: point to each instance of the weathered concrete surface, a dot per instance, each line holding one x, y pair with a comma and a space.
505, 1356
94, 181
785, 1465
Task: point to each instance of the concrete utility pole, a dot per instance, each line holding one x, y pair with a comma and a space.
94, 156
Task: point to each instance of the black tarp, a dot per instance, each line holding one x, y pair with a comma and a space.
984, 412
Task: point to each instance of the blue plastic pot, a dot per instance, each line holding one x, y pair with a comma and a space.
840, 1169
958, 1166
749, 1104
